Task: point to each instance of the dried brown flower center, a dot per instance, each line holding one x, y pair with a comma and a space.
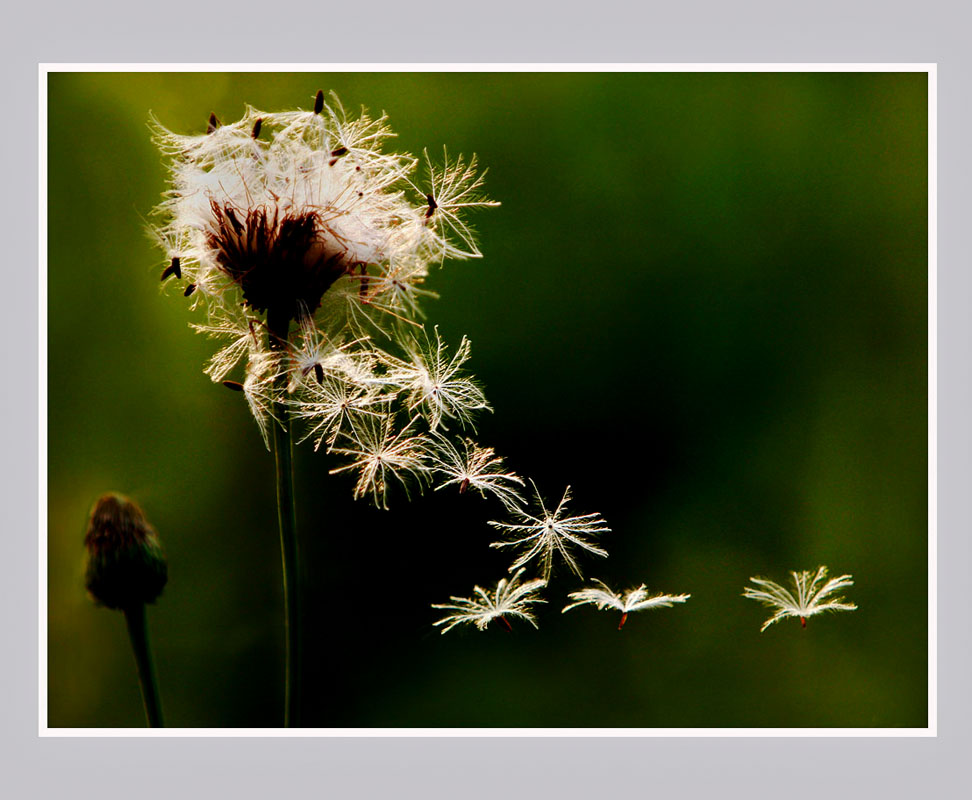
281, 261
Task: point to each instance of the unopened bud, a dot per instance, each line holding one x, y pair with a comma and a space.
126, 565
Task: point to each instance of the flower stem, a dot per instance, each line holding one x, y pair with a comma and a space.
138, 633
287, 518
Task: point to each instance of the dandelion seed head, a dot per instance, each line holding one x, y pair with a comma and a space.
299, 236
285, 214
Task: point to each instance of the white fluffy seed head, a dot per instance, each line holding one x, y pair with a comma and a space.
305, 240
367, 216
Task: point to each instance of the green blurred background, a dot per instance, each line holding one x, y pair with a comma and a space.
703, 304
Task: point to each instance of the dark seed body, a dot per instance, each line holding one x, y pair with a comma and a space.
189, 290
319, 102
173, 269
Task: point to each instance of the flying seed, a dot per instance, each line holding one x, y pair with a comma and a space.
432, 206
341, 151
173, 269
332, 162
189, 290
319, 374
256, 128
236, 386
213, 123
464, 485
319, 102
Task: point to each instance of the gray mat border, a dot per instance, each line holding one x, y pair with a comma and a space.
512, 32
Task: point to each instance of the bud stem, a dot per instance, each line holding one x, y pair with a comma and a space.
287, 518
138, 633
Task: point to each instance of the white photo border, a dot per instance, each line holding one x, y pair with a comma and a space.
43, 730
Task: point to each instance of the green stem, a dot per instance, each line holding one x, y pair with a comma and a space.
287, 518
138, 633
